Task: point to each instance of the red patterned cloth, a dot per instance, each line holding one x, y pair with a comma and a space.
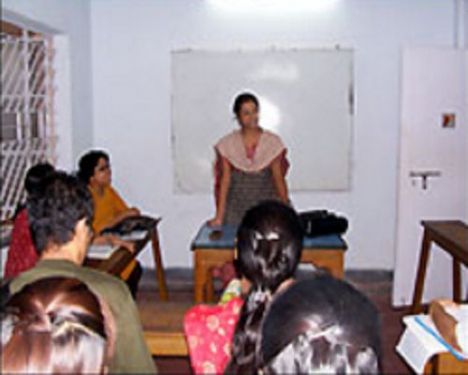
209, 330
22, 253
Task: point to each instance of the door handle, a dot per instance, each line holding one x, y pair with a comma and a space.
424, 175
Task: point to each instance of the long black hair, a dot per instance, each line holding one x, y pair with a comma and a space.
269, 245
320, 325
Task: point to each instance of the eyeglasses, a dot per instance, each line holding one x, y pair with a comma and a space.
104, 168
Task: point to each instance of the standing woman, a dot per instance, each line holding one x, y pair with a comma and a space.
250, 165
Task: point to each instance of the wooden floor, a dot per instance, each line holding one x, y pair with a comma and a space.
375, 284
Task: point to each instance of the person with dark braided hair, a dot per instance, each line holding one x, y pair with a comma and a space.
269, 246
57, 325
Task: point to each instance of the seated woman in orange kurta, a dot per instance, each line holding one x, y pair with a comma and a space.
109, 207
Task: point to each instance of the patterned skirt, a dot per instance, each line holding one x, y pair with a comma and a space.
247, 189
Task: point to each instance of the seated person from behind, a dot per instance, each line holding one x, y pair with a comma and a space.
22, 254
269, 246
57, 325
60, 220
320, 325
109, 207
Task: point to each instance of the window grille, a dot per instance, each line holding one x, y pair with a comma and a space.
27, 132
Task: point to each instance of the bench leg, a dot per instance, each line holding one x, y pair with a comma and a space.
419, 286
199, 281
456, 281
160, 275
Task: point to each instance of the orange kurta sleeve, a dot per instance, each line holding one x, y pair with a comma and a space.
106, 208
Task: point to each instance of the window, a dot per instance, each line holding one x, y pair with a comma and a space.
26, 132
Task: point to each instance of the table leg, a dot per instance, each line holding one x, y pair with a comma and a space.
418, 289
456, 281
210, 286
199, 278
161, 278
336, 267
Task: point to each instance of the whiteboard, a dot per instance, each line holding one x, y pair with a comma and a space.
306, 97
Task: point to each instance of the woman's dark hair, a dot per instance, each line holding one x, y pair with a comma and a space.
35, 175
269, 246
56, 325
54, 213
88, 163
33, 182
244, 98
321, 325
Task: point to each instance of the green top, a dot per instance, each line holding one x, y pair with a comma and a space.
131, 353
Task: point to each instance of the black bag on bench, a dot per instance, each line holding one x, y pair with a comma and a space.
322, 222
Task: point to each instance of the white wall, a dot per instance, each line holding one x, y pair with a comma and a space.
465, 29
71, 21
131, 44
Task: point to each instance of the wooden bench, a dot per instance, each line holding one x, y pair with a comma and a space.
163, 327
322, 251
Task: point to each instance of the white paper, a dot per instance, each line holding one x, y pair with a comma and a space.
101, 251
135, 235
417, 345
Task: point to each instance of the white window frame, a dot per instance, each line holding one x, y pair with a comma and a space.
27, 93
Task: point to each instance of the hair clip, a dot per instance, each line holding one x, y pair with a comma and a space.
7, 325
66, 325
330, 333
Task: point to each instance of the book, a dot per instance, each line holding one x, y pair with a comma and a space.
420, 341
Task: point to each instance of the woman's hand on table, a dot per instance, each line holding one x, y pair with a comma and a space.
130, 246
215, 222
116, 241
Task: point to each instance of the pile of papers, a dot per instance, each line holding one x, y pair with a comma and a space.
421, 340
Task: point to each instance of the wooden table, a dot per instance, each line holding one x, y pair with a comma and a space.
324, 251
121, 258
451, 236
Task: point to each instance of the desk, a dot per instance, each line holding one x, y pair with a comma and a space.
323, 251
451, 236
121, 257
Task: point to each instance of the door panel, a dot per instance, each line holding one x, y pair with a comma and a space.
432, 85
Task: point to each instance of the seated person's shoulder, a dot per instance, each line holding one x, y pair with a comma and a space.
104, 280
107, 285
